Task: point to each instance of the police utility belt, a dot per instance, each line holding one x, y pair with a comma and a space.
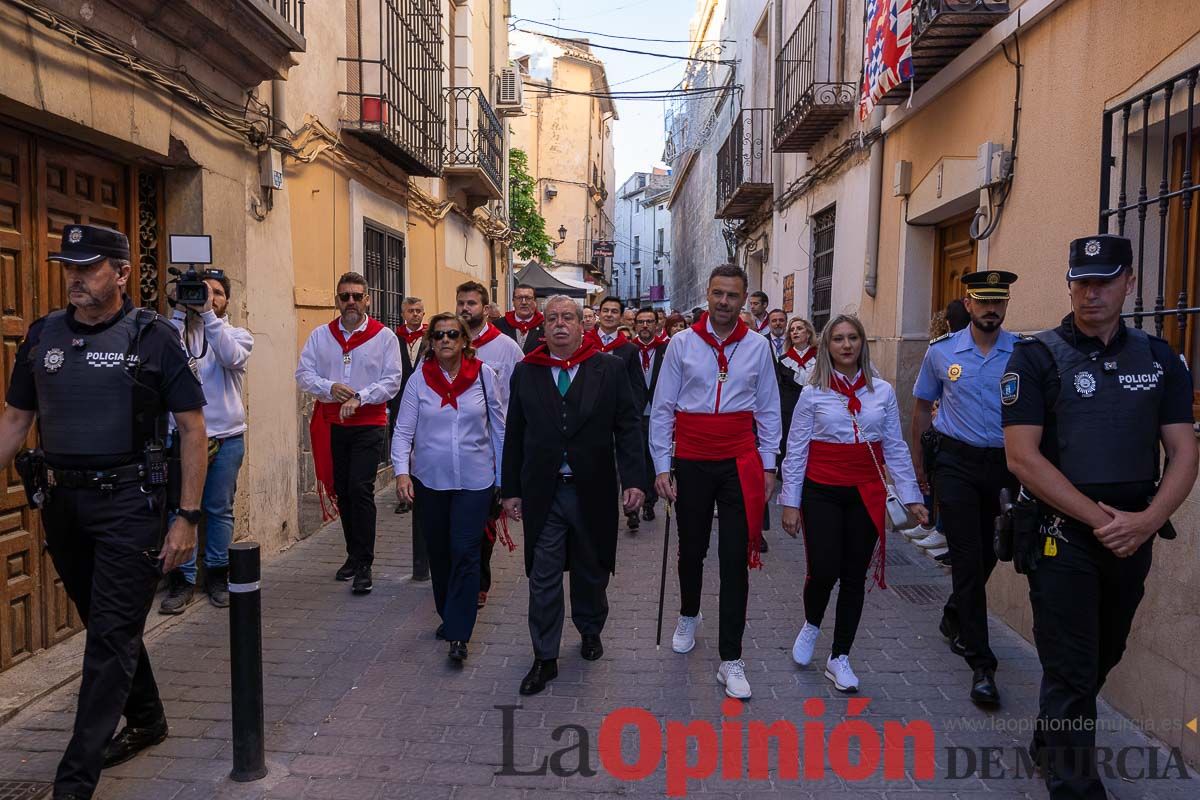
39, 478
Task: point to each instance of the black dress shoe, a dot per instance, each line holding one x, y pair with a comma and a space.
591, 649
440, 633
458, 651
420, 573
541, 673
362, 581
949, 629
131, 741
345, 571
403, 508
648, 513
983, 688
631, 521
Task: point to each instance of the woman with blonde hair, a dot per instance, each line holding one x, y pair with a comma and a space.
845, 429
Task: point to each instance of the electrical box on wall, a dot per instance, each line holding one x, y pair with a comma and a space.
902, 180
993, 164
270, 168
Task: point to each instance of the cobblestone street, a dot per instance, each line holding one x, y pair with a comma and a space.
362, 702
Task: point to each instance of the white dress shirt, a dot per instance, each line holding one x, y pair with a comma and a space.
522, 336
221, 370
799, 373
501, 354
606, 338
821, 415
688, 382
448, 448
373, 369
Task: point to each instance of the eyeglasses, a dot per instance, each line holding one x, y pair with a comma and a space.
345, 297
437, 336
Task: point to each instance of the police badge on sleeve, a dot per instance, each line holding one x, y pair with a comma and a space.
1010, 388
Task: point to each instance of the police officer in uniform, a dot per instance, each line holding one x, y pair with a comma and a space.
1085, 409
962, 370
100, 377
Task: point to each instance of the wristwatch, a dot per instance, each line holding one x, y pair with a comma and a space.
192, 515
357, 396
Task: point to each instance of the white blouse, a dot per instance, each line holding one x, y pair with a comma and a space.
448, 448
799, 373
821, 415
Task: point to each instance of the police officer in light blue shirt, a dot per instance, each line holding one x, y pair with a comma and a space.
961, 372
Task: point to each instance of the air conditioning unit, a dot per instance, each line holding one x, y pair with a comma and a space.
511, 100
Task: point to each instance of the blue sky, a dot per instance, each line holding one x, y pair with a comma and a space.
638, 134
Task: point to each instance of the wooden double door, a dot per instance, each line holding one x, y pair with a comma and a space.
957, 255
44, 185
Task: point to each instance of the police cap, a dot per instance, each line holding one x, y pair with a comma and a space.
990, 284
1101, 256
87, 244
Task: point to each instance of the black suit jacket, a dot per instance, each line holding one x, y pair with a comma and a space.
597, 425
407, 367
535, 337
632, 358
656, 361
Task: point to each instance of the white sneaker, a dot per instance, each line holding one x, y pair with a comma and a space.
806, 640
685, 633
935, 552
933, 540
918, 532
732, 675
838, 670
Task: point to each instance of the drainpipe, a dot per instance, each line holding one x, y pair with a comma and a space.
874, 201
278, 108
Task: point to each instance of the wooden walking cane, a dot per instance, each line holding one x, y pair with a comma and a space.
662, 584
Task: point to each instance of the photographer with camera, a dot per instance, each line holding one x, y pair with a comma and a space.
221, 352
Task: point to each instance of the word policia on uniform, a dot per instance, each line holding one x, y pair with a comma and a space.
633, 744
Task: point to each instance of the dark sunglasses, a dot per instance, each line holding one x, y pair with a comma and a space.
345, 296
437, 336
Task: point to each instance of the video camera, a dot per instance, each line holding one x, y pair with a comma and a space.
190, 288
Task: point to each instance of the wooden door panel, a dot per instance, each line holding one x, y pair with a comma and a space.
956, 255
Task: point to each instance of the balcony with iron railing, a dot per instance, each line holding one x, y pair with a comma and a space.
475, 148
393, 99
941, 29
811, 93
744, 165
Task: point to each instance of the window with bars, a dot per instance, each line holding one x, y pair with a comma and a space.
383, 266
822, 267
635, 256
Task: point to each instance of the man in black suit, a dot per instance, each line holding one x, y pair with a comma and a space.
412, 352
651, 347
570, 407
524, 324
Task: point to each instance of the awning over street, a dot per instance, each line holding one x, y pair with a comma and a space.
546, 283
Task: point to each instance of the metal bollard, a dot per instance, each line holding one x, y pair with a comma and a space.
245, 662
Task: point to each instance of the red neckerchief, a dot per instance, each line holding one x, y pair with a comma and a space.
646, 349
374, 326
740, 329
541, 356
449, 392
410, 336
617, 341
490, 332
527, 325
762, 326
844, 388
802, 360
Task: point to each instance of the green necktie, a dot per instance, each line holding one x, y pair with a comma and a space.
564, 381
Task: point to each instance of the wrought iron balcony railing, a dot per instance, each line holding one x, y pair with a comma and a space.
811, 95
292, 12
393, 98
744, 165
941, 29
475, 150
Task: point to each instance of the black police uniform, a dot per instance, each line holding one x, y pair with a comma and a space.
1101, 408
103, 525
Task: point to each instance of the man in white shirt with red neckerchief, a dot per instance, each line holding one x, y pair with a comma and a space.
502, 354
352, 367
718, 401
758, 312
651, 345
524, 324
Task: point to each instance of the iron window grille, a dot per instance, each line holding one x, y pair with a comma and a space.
1150, 152
811, 96
383, 267
292, 12
822, 267
744, 164
635, 256
393, 97
476, 135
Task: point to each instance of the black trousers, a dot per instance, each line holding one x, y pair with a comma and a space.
969, 480
651, 495
454, 521
700, 484
1084, 600
839, 540
562, 544
104, 546
357, 453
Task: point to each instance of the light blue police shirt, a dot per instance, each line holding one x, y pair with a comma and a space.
968, 384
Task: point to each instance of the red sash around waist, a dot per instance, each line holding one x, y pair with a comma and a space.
837, 464
375, 414
715, 437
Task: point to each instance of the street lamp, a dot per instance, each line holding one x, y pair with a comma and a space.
562, 233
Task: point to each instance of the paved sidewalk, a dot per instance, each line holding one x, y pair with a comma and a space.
362, 702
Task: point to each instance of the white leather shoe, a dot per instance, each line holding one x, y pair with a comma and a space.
732, 675
935, 539
918, 532
685, 633
806, 640
838, 670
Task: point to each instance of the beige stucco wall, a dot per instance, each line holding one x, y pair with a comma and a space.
1069, 78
